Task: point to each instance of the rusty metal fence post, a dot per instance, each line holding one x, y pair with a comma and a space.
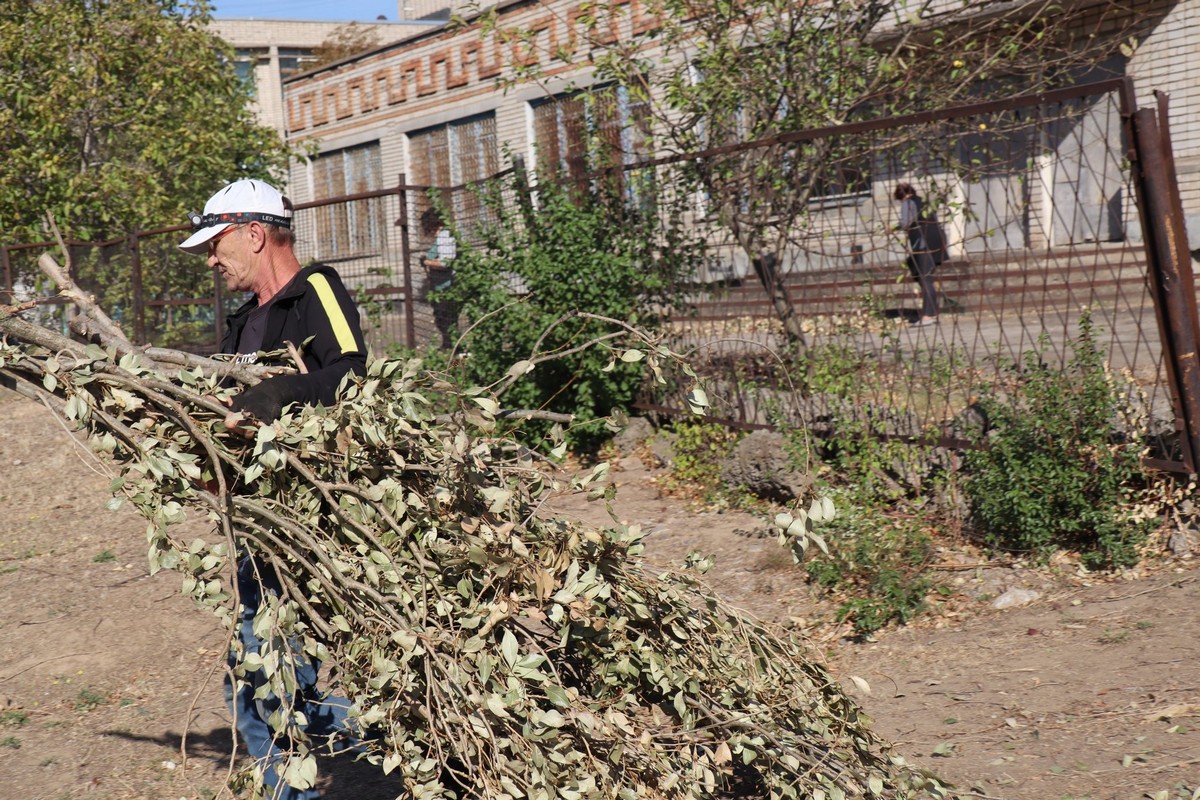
1169, 274
139, 300
410, 327
6, 294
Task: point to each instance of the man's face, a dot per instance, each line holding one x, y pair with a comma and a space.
228, 255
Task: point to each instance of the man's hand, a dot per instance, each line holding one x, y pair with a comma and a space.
263, 403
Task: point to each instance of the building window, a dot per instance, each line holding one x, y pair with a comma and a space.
246, 60
584, 132
293, 60
844, 170
355, 227
841, 165
452, 155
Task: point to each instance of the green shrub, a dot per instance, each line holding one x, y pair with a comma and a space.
697, 452
1054, 473
528, 281
876, 563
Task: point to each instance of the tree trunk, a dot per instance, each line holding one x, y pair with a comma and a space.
785, 309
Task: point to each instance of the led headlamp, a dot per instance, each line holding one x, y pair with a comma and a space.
199, 220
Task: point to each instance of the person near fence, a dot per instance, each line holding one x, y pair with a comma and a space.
246, 233
437, 263
925, 248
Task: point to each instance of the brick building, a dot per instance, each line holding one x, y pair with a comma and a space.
271, 50
431, 107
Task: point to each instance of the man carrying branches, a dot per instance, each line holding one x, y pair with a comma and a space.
246, 232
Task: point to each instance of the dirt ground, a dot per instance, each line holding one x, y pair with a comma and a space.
1090, 691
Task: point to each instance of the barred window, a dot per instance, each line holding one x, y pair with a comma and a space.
582, 133
454, 154
352, 228
585, 131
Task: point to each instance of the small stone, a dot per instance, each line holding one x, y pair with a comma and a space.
1015, 597
635, 433
1179, 544
759, 464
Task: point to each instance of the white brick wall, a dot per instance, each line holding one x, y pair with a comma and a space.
439, 76
274, 35
1167, 59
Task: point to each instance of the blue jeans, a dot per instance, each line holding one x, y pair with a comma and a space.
326, 714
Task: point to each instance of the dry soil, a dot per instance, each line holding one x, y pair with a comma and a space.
110, 679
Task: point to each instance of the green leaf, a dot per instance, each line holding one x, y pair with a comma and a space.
301, 772
520, 368
489, 405
496, 705
557, 695
509, 648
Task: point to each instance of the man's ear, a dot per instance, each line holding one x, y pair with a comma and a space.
258, 235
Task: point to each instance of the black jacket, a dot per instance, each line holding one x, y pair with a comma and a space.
314, 304
925, 233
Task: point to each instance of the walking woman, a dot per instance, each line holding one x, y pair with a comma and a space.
923, 255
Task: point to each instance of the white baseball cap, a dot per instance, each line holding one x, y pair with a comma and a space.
242, 201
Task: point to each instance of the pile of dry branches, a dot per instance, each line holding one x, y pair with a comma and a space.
488, 649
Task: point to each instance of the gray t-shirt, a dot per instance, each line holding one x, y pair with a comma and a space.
250, 341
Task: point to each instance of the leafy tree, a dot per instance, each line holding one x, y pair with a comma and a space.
115, 115
720, 73
344, 41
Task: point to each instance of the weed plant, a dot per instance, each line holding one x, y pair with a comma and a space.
1055, 472
877, 563
698, 450
879, 545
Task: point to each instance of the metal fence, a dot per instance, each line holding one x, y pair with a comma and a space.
377, 240
1051, 206
1054, 207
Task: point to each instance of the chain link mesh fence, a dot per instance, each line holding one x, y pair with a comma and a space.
800, 308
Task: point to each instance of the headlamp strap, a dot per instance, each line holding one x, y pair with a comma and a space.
236, 218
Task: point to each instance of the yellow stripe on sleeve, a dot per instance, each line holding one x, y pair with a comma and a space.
337, 320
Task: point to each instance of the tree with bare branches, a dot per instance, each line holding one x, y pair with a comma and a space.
791, 76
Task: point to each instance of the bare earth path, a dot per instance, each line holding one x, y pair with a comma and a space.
1092, 691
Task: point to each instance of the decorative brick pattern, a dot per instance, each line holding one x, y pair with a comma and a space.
440, 64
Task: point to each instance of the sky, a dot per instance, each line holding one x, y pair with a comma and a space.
337, 10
